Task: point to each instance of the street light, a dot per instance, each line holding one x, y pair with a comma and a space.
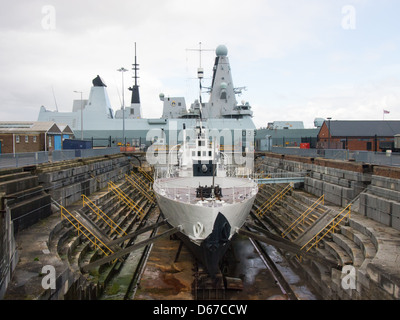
122, 70
81, 113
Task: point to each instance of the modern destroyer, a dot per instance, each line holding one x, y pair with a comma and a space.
99, 121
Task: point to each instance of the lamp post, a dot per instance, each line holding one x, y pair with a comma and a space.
122, 70
329, 132
81, 113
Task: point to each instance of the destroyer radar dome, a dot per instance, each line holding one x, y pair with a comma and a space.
221, 50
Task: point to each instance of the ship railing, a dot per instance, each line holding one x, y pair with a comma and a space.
128, 201
303, 216
189, 195
100, 213
81, 228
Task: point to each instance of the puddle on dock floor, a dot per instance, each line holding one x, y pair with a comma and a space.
246, 264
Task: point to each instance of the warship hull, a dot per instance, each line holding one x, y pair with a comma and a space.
207, 225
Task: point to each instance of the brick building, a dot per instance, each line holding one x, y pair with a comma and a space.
24, 136
364, 135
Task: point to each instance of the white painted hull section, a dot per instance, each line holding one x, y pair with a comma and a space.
191, 216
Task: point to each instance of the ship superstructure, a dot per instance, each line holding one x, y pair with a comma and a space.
222, 111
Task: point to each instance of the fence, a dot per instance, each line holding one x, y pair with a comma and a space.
371, 157
10, 160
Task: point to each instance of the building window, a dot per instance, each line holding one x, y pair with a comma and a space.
34, 139
49, 141
17, 139
26, 139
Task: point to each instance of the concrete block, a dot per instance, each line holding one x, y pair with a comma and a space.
386, 284
344, 183
373, 274
384, 211
348, 195
396, 290
333, 193
396, 215
363, 203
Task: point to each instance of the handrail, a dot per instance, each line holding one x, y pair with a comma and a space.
330, 229
146, 174
303, 216
113, 187
79, 230
268, 200
142, 183
137, 185
273, 201
90, 203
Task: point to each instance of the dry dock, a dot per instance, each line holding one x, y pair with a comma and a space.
38, 245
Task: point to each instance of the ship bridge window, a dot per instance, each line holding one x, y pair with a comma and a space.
223, 94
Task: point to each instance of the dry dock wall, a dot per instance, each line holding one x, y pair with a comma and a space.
30, 193
381, 201
339, 181
371, 238
377, 187
67, 181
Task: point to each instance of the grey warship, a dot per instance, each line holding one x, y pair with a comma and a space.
222, 111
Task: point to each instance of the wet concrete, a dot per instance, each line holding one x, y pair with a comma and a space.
245, 263
164, 279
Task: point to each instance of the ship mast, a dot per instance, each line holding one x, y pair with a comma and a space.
200, 75
135, 88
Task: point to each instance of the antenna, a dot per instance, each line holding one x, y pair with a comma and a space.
135, 88
135, 67
200, 72
54, 96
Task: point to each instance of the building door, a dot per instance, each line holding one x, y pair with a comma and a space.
57, 142
0, 146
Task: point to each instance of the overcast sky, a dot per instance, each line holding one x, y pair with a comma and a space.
298, 59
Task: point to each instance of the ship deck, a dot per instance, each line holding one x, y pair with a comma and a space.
234, 190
